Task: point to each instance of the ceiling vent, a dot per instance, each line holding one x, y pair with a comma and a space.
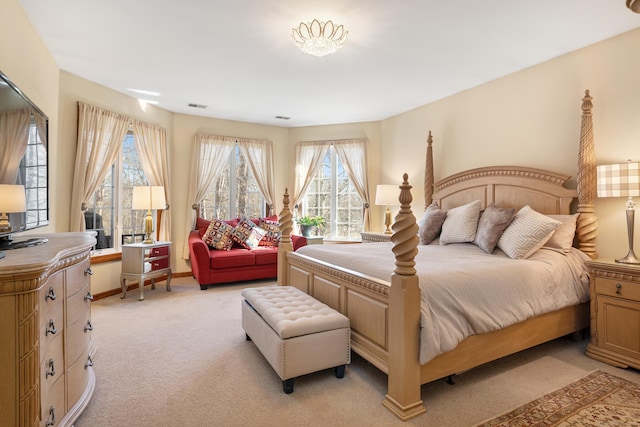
283, 118
192, 105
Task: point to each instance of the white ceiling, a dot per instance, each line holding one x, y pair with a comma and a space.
237, 56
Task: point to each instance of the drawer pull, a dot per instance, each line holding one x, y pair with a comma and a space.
88, 297
618, 288
51, 329
88, 271
52, 417
51, 371
50, 295
88, 326
88, 363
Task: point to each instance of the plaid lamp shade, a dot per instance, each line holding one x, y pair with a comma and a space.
619, 180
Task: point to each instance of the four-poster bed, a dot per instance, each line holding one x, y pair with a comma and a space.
385, 314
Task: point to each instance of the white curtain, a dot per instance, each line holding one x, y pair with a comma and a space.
209, 157
151, 143
14, 135
353, 155
41, 127
259, 156
309, 157
100, 136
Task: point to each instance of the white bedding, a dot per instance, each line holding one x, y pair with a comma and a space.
466, 291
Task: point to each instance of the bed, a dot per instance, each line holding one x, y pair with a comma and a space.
386, 314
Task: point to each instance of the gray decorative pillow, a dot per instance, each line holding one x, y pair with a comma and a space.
461, 224
430, 224
493, 221
528, 231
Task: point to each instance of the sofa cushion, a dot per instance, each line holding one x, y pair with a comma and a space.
242, 231
272, 238
233, 258
266, 255
218, 235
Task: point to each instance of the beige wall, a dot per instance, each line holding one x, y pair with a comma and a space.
530, 118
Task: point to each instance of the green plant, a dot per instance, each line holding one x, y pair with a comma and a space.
314, 221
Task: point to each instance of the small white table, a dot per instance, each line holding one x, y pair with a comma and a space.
141, 261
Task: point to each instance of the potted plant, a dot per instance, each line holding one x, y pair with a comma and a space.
307, 223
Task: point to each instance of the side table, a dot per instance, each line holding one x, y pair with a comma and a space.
141, 261
371, 236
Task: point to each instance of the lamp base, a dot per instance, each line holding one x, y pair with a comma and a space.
148, 229
631, 258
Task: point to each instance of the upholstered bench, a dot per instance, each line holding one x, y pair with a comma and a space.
296, 333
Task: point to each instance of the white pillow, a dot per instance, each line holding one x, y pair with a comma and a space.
528, 231
562, 239
461, 224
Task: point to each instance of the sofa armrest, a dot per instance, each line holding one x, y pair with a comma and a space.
298, 241
199, 255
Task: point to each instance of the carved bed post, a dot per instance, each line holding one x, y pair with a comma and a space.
403, 391
587, 225
285, 246
428, 173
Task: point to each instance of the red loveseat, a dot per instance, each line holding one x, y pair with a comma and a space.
213, 266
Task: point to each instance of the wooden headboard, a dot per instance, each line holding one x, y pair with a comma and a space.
507, 186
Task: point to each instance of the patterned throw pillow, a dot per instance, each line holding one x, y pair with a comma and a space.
218, 235
272, 238
528, 231
242, 231
257, 233
461, 224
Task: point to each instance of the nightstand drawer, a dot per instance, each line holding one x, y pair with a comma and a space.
618, 288
159, 251
160, 264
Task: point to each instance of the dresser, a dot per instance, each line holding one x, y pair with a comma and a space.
141, 261
46, 350
615, 313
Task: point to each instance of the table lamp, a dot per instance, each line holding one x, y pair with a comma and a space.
148, 198
621, 180
387, 195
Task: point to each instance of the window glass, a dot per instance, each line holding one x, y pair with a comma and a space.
331, 194
235, 192
33, 175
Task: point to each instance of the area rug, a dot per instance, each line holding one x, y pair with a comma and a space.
600, 399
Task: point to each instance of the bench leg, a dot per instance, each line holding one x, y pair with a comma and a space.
287, 386
340, 371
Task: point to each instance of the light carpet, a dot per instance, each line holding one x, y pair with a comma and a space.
600, 399
180, 358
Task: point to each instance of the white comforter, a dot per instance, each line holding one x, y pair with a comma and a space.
466, 291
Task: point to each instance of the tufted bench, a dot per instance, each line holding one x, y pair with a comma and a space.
296, 333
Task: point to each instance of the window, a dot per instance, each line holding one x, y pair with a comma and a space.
331, 194
33, 174
235, 192
109, 211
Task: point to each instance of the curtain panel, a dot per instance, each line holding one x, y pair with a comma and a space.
14, 134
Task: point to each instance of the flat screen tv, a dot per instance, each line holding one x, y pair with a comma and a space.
24, 131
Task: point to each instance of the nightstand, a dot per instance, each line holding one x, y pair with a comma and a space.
615, 313
141, 261
370, 237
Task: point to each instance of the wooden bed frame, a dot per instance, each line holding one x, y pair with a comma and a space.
385, 316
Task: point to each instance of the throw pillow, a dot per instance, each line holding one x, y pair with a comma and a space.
272, 237
242, 231
218, 235
562, 239
460, 224
257, 233
528, 231
430, 224
493, 221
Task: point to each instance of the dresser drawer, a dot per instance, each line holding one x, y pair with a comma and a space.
51, 326
78, 335
52, 293
77, 277
52, 364
78, 306
159, 251
52, 406
77, 379
618, 288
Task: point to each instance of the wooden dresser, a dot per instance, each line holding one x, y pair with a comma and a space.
615, 313
46, 351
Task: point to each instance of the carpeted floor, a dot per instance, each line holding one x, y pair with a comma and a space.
599, 399
180, 358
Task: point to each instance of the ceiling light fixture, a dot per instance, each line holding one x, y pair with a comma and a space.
319, 38
634, 5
